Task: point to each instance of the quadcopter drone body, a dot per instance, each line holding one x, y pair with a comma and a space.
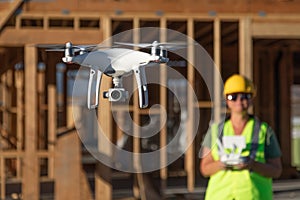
116, 63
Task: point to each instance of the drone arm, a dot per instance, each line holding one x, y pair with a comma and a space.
142, 86
90, 96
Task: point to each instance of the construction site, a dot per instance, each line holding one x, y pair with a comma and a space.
42, 154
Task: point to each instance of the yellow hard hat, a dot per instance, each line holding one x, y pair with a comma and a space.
237, 83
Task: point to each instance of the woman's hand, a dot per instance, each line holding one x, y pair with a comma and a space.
208, 166
272, 168
245, 165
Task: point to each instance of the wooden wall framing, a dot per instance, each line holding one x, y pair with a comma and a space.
250, 26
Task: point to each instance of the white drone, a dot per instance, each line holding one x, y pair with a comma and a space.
116, 62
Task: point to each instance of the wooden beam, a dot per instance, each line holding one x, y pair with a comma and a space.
8, 12
30, 184
11, 37
273, 29
185, 6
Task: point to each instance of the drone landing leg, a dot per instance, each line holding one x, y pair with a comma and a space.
142, 86
90, 95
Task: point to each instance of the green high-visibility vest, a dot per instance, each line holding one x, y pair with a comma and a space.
241, 184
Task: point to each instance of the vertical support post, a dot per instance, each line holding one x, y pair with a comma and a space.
103, 187
67, 162
45, 22
139, 187
2, 165
42, 141
245, 48
52, 124
163, 103
190, 153
67, 167
9, 84
30, 184
76, 23
3, 177
52, 116
7, 102
217, 69
19, 82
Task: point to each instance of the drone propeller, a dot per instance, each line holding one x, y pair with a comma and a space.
168, 45
75, 48
68, 45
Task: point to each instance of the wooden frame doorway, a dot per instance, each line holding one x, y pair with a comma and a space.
274, 74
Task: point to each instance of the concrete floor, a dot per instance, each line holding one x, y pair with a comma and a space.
283, 190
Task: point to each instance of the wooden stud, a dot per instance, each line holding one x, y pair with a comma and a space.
245, 47
7, 115
42, 141
76, 23
46, 23
68, 167
2, 178
257, 29
52, 126
19, 84
190, 153
103, 187
67, 163
30, 162
4, 105
163, 103
217, 69
139, 187
51, 115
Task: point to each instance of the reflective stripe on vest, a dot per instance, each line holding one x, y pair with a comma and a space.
241, 184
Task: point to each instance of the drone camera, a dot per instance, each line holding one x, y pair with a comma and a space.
116, 94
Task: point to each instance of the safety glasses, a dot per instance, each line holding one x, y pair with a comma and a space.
234, 97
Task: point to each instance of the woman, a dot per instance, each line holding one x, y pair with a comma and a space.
251, 177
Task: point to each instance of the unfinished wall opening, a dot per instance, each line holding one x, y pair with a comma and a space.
276, 73
229, 48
